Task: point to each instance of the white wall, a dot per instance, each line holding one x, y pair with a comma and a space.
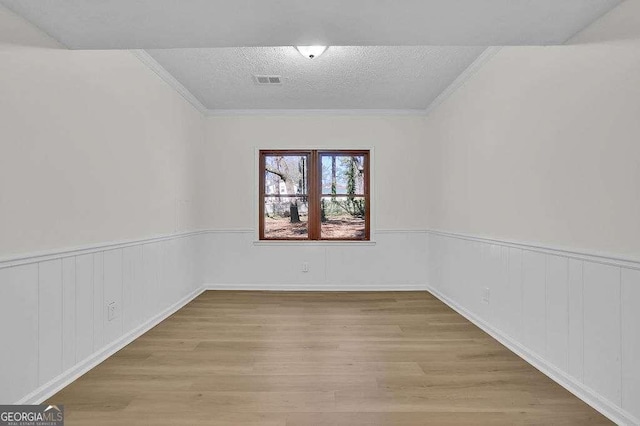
541, 146
398, 166
95, 146
394, 261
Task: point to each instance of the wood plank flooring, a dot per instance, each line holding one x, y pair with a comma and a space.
301, 358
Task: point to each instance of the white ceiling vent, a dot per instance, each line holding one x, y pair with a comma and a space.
267, 79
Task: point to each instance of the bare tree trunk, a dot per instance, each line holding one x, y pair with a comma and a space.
294, 215
293, 210
334, 180
323, 213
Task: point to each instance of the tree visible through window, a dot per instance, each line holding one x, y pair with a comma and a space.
314, 195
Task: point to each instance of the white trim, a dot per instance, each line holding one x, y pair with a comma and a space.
591, 397
150, 62
231, 231
578, 254
256, 193
49, 389
313, 112
469, 72
316, 287
321, 243
61, 253
373, 194
378, 231
402, 231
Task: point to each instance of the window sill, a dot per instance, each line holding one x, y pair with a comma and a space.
313, 243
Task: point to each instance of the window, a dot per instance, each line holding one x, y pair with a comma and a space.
314, 195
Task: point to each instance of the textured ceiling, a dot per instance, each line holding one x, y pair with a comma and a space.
384, 54
405, 77
142, 24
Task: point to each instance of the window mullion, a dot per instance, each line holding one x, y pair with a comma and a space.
314, 206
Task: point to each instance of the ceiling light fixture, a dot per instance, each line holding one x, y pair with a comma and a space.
311, 51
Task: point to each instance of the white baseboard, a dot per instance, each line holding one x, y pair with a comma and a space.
595, 400
318, 287
55, 385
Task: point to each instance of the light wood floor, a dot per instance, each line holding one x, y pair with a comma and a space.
258, 358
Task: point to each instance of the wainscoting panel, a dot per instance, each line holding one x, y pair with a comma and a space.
602, 329
19, 323
50, 320
501, 293
631, 341
396, 259
232, 260
572, 315
576, 320
534, 304
98, 300
557, 318
54, 318
84, 306
112, 294
152, 273
133, 295
512, 321
68, 312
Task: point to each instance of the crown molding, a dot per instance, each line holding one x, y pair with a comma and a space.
302, 112
469, 72
146, 59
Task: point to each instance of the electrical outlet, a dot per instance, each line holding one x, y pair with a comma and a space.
111, 311
305, 266
486, 294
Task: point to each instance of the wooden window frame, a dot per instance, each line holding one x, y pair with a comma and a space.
314, 191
